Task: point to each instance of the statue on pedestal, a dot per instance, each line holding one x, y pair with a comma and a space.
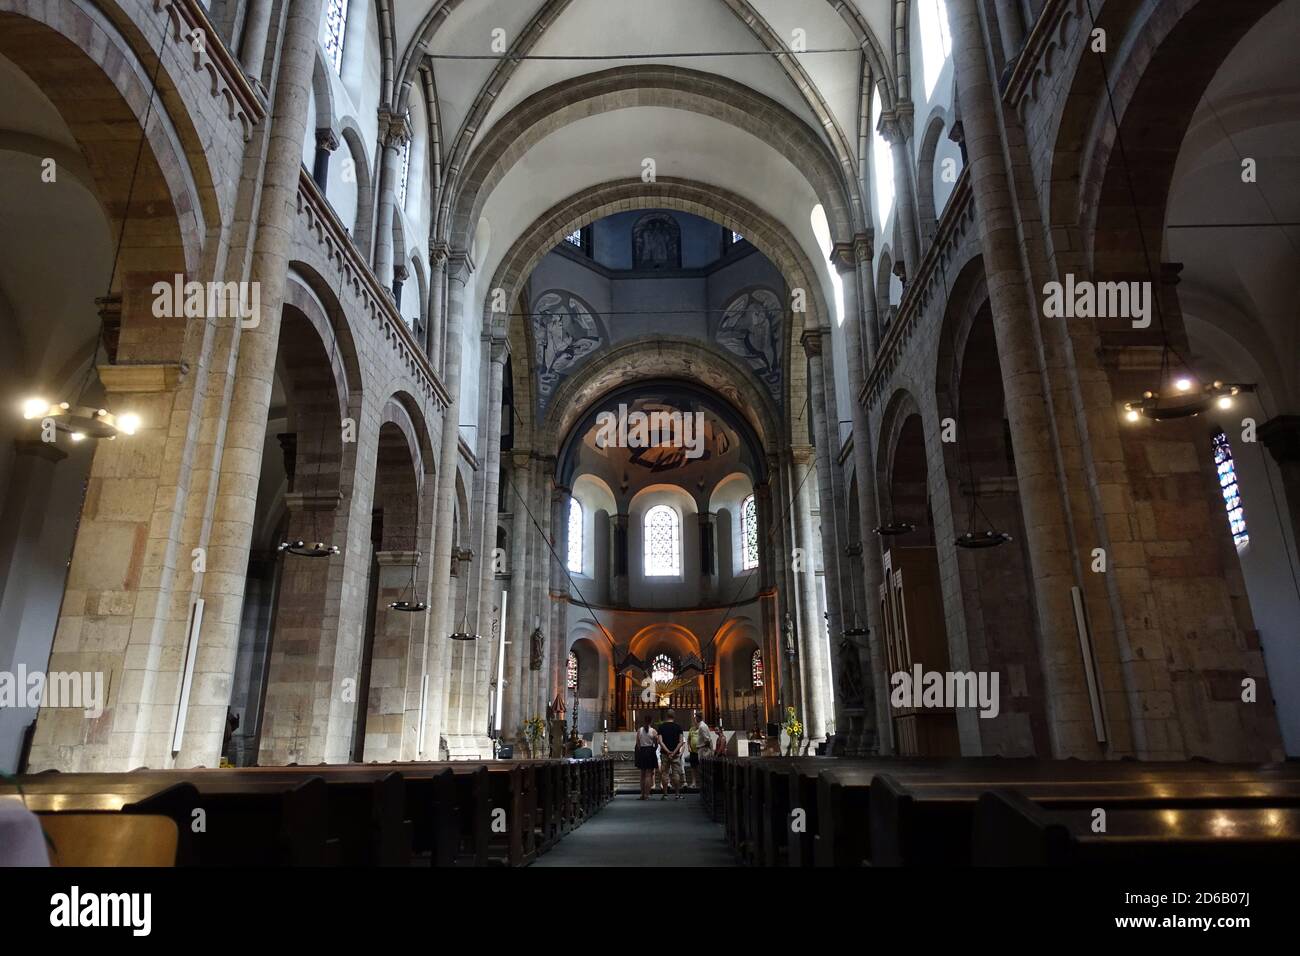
536, 650
789, 638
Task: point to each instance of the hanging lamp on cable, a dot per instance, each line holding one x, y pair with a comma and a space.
466, 556
74, 418
857, 629
410, 605
318, 548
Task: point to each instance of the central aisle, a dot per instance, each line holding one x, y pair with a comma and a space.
655, 832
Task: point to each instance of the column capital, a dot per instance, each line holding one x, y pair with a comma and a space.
864, 246
394, 130
460, 266
401, 273
802, 454
1281, 436
439, 253
842, 257
327, 139
499, 349
811, 340
520, 457
141, 378
893, 124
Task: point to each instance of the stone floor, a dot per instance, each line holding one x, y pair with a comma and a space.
629, 832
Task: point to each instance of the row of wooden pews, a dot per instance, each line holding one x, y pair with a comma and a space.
992, 811
502, 812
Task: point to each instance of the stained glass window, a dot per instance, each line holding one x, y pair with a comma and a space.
749, 533
1231, 492
571, 680
336, 28
662, 669
575, 536
663, 542
404, 177
574, 238
736, 237
756, 668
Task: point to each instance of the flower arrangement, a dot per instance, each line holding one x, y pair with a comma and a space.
793, 728
534, 730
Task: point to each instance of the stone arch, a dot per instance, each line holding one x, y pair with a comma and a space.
363, 228
96, 105
323, 93
305, 291
677, 358
541, 114
727, 209
940, 118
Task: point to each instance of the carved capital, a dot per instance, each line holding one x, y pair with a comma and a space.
327, 139
864, 247
459, 266
394, 130
811, 340
842, 257
401, 273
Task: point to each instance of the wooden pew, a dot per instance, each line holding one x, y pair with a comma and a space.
919, 820
1011, 830
110, 839
245, 821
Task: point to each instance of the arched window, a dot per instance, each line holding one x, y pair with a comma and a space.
756, 668
336, 29
575, 536
936, 41
663, 542
822, 232
1227, 470
662, 669
882, 167
404, 176
574, 238
749, 534
571, 679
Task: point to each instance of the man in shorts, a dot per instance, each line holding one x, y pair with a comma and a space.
671, 742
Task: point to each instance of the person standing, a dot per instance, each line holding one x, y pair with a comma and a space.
647, 746
672, 742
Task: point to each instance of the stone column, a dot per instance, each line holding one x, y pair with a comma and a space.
813, 662
326, 142
437, 286
618, 559
488, 596
826, 434
895, 127
252, 49
1281, 436
1011, 28
400, 274
460, 268
1046, 530
245, 434
386, 701
557, 639
517, 628
709, 572
848, 258
394, 133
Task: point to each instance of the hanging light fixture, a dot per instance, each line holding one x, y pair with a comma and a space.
412, 606
464, 634
894, 529
80, 422
1184, 400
